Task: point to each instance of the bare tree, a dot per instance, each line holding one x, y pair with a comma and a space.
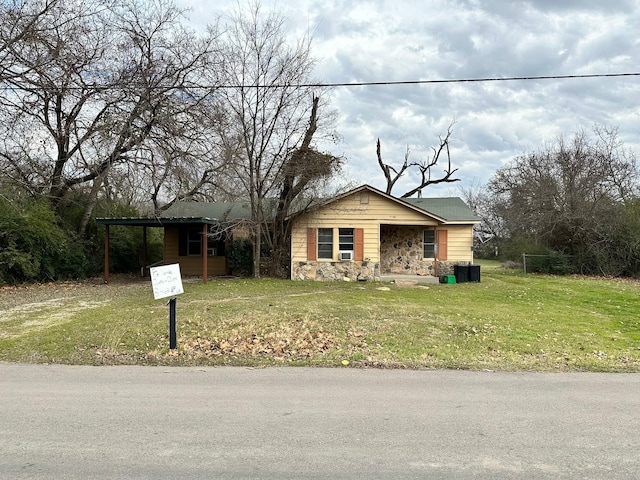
103, 83
424, 168
22, 20
269, 107
303, 168
569, 197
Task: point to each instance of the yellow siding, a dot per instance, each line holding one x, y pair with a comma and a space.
299, 237
378, 210
460, 241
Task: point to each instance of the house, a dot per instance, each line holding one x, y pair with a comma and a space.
360, 235
366, 233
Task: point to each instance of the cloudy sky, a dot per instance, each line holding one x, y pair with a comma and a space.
406, 40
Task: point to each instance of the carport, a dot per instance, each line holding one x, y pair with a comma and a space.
155, 222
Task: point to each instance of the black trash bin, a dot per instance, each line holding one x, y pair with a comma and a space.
474, 273
461, 272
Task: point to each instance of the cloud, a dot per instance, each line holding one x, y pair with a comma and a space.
400, 40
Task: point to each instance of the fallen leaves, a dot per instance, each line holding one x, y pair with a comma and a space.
294, 341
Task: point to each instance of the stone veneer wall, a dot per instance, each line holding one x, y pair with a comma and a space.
401, 252
337, 271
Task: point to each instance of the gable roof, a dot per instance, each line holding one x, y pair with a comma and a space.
450, 210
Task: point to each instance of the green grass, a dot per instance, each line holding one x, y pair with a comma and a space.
509, 321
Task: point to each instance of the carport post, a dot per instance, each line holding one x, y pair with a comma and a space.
106, 253
144, 251
205, 252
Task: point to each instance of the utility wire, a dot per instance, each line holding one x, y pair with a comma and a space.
356, 84
463, 80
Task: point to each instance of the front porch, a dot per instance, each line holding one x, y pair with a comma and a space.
402, 252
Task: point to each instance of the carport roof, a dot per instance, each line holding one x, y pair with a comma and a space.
154, 221
188, 212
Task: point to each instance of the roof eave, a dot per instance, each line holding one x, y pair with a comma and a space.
464, 222
155, 221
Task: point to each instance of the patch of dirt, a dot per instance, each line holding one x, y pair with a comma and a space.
30, 307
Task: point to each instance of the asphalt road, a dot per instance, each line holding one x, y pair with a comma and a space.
61, 422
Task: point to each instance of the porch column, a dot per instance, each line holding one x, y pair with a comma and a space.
205, 253
106, 253
436, 251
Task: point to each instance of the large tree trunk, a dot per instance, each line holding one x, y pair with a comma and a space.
91, 203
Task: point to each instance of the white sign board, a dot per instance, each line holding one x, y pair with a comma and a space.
166, 281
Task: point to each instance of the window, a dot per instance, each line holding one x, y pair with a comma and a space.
345, 239
215, 248
325, 243
190, 242
429, 244
194, 241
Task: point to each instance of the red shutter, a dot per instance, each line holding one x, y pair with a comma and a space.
442, 244
312, 251
358, 254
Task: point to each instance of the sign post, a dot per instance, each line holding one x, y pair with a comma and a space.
167, 282
173, 332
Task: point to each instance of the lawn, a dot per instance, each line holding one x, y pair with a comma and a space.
509, 321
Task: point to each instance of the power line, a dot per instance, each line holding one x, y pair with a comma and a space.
457, 80
351, 84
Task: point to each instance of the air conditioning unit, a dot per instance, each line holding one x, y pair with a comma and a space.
346, 255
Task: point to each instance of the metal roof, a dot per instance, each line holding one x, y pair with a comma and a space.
188, 212
153, 221
217, 211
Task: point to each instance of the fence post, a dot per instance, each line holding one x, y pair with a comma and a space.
524, 262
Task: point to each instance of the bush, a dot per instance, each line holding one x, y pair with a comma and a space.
240, 257
33, 247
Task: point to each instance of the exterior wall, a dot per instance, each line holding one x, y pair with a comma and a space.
190, 265
460, 249
401, 250
364, 210
241, 230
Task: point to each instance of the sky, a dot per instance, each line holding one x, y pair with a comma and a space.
410, 40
